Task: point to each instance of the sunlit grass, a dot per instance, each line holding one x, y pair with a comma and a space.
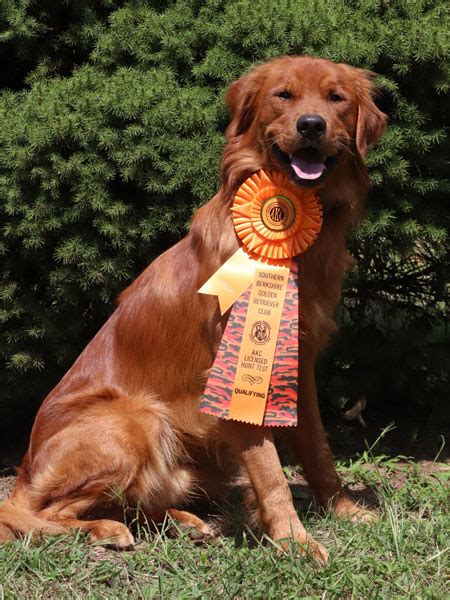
404, 555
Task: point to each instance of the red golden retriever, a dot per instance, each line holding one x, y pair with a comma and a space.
123, 424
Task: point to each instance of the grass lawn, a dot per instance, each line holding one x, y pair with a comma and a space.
405, 555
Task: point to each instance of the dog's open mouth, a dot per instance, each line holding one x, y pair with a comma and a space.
308, 166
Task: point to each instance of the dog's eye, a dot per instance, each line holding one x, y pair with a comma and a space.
284, 94
336, 97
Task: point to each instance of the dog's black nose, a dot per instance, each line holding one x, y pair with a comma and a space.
311, 126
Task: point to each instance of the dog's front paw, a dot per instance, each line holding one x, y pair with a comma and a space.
363, 515
347, 509
315, 549
306, 546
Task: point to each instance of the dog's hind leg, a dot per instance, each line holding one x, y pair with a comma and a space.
18, 517
31, 508
118, 452
104, 531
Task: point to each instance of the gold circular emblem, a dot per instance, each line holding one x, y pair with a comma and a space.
274, 219
278, 213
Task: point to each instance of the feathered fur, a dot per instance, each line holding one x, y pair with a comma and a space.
124, 419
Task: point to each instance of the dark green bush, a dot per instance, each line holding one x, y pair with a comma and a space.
111, 127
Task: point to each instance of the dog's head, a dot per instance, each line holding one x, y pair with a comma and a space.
305, 116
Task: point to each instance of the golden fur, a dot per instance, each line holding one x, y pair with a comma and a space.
125, 420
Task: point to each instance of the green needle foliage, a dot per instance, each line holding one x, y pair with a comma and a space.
111, 131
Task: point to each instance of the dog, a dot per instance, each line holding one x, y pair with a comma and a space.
124, 420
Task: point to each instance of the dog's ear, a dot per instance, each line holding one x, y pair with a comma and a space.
371, 121
241, 101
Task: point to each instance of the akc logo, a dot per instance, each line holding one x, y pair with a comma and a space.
278, 213
260, 333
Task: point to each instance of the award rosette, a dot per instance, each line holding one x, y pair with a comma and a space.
254, 377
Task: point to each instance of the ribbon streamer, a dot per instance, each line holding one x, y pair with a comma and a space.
254, 377
281, 405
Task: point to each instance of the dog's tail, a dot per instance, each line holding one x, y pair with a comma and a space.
17, 519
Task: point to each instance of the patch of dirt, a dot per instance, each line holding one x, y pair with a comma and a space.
6, 484
366, 495
359, 491
405, 438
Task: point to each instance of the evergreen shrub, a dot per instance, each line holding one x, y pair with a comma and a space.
111, 131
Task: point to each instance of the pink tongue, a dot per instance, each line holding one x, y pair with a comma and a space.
306, 169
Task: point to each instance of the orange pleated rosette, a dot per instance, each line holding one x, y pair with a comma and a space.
274, 219
254, 377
